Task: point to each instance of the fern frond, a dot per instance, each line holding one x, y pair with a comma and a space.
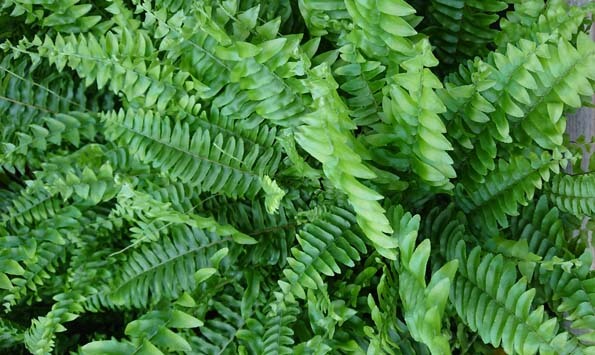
462, 29
257, 84
215, 164
573, 194
61, 15
324, 17
323, 243
423, 305
151, 333
542, 22
11, 334
502, 92
382, 28
495, 303
219, 334
569, 74
363, 80
152, 217
34, 141
277, 337
513, 182
119, 60
187, 44
541, 226
411, 109
39, 262
163, 269
34, 205
24, 95
339, 161
39, 339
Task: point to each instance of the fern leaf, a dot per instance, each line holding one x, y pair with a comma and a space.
151, 333
165, 268
542, 21
493, 302
340, 163
324, 17
12, 334
363, 80
118, 59
277, 336
423, 305
215, 164
39, 339
62, 15
513, 182
573, 194
323, 243
462, 29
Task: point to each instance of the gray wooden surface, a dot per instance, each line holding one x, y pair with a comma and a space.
582, 123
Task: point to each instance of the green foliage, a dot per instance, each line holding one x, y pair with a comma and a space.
295, 177
462, 29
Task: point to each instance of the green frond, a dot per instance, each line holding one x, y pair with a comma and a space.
216, 164
189, 46
513, 182
35, 204
150, 334
80, 184
39, 339
542, 21
340, 163
39, 262
389, 334
257, 81
11, 334
125, 61
573, 194
382, 28
277, 337
490, 97
61, 15
542, 227
363, 80
462, 29
491, 300
37, 103
324, 17
152, 218
324, 244
411, 122
165, 268
423, 305
220, 333
568, 75
573, 292
275, 233
33, 142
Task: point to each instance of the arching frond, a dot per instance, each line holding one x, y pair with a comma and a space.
165, 268
573, 194
216, 164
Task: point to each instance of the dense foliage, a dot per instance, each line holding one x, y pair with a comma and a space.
294, 177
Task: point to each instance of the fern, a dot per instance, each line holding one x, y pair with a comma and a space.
423, 304
574, 194
220, 166
308, 177
463, 29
